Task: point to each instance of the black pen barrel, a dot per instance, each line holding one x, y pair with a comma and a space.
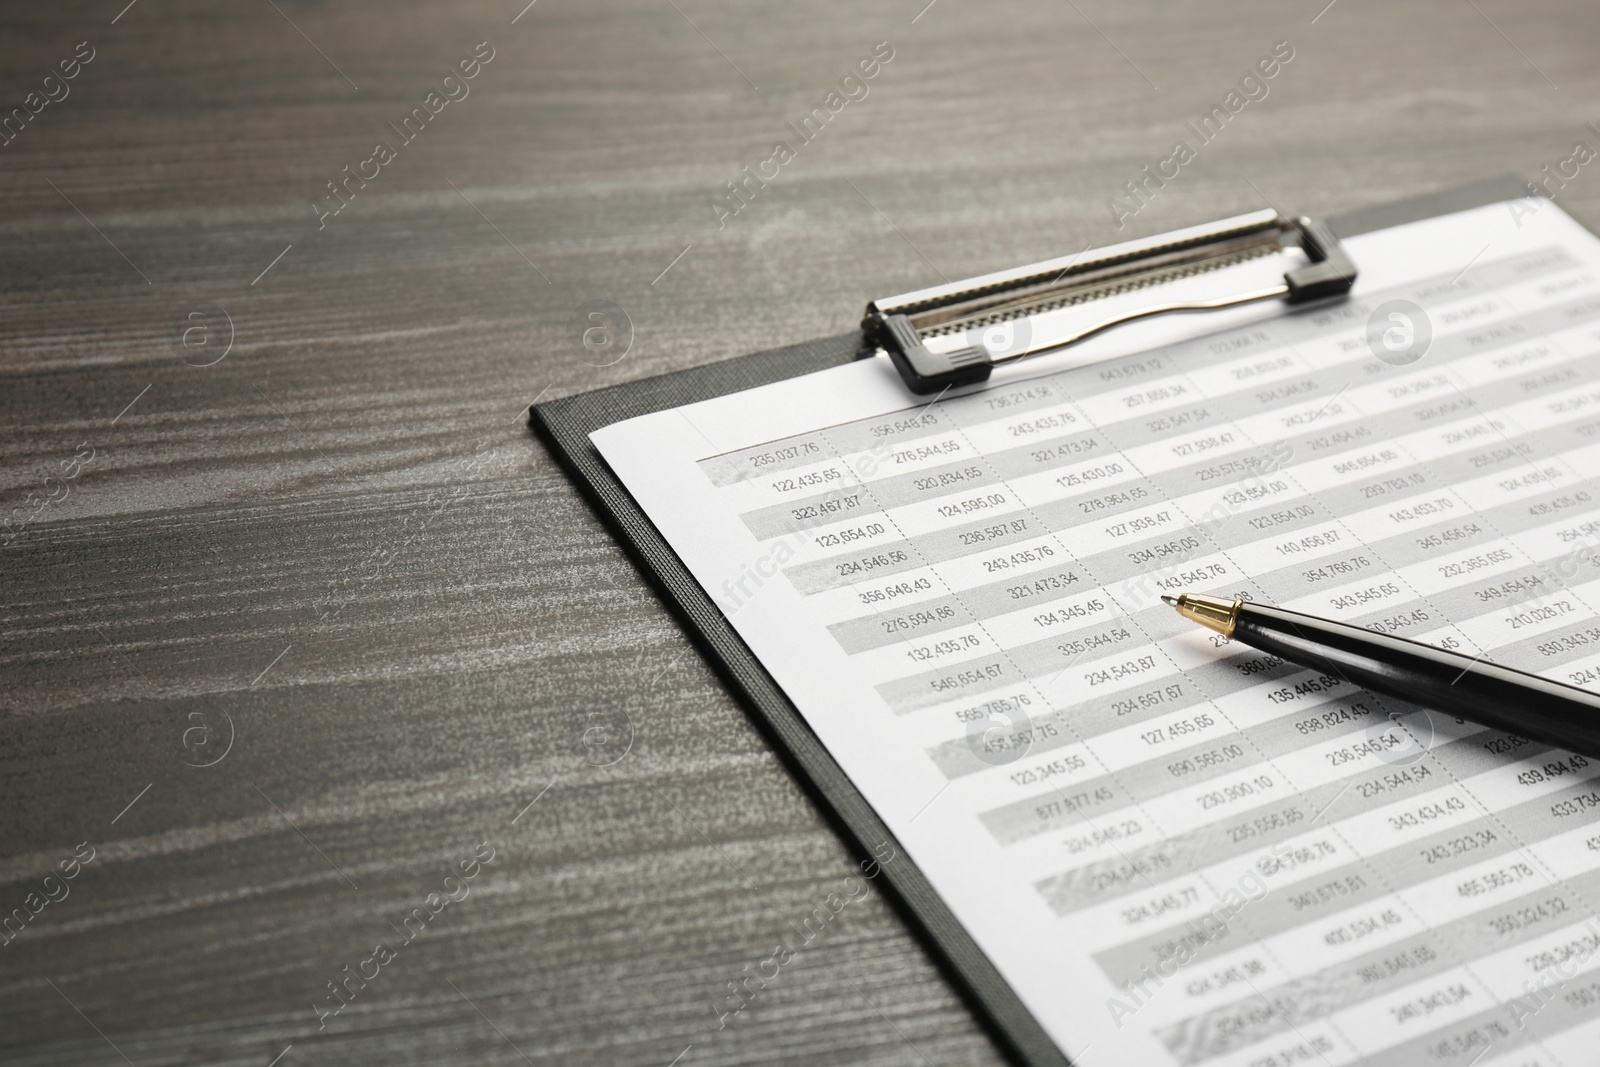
1458, 685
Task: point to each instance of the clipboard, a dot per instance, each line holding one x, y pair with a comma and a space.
565, 424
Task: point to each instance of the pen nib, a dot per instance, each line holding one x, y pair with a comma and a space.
1213, 612
1169, 600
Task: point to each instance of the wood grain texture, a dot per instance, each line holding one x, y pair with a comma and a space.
340, 546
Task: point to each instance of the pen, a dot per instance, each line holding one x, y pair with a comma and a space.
1467, 687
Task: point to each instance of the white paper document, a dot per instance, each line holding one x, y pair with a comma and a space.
1177, 850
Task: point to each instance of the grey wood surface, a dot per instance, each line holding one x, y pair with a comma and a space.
339, 548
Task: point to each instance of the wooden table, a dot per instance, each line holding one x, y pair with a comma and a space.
293, 625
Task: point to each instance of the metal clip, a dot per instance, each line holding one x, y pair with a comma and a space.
900, 324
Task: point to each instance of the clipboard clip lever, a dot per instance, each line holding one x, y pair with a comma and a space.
902, 325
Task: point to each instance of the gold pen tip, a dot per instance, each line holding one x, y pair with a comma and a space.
1213, 612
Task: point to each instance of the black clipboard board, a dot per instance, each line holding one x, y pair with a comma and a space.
565, 424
